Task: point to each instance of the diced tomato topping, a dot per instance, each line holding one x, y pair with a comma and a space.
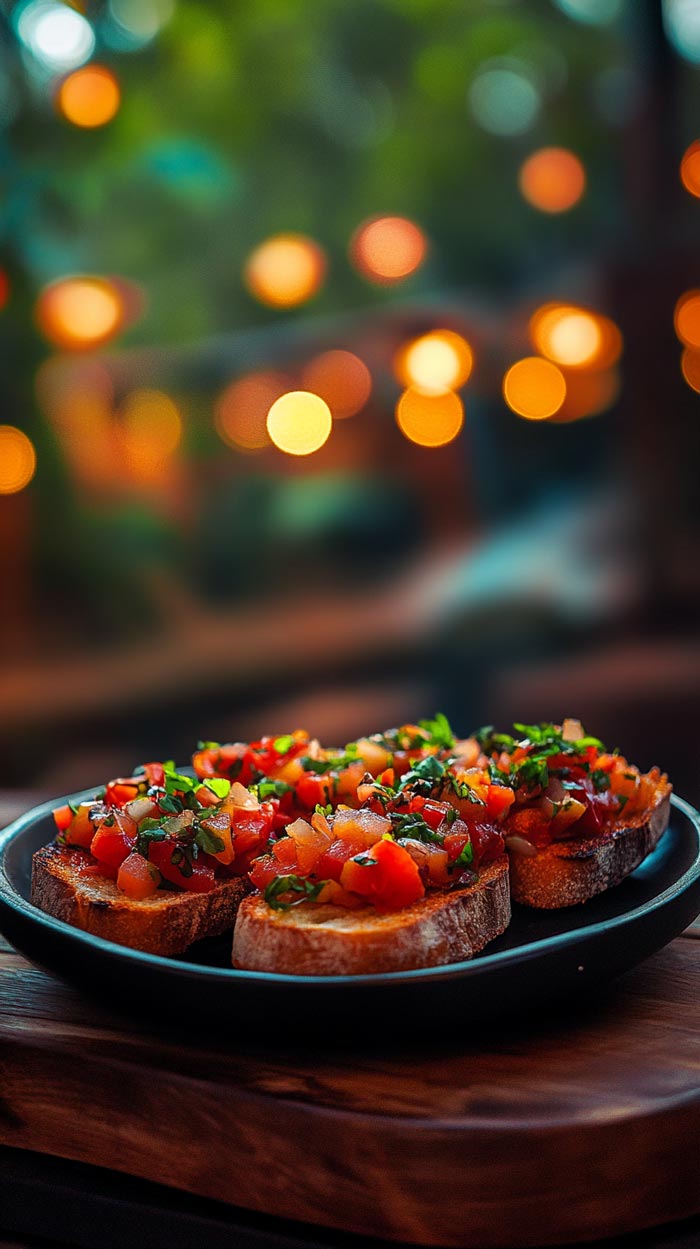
202, 877
63, 816
313, 790
263, 870
499, 800
220, 825
454, 843
121, 791
434, 813
285, 853
331, 862
81, 829
138, 878
487, 842
155, 774
390, 879
113, 842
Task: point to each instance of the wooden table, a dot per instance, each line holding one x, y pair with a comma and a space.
112, 1128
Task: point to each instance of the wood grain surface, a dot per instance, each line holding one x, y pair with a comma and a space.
567, 1127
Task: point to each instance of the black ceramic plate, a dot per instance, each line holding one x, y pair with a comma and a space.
542, 954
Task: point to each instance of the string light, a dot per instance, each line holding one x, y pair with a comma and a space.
690, 168
17, 460
429, 420
89, 97
341, 378
79, 313
438, 361
552, 179
240, 412
285, 270
388, 249
534, 388
588, 394
690, 367
687, 318
299, 422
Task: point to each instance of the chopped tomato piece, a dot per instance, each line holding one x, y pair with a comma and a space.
330, 864
81, 829
313, 790
155, 774
63, 817
201, 878
285, 853
389, 878
499, 800
113, 842
263, 870
220, 825
138, 878
455, 842
121, 791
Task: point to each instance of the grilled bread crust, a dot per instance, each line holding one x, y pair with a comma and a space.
327, 940
566, 873
166, 923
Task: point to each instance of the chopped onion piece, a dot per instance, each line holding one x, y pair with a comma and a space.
520, 845
140, 808
572, 730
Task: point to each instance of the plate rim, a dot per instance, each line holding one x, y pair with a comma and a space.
176, 967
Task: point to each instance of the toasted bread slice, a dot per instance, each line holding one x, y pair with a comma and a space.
566, 873
166, 923
327, 940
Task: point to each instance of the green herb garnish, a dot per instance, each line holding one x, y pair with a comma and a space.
307, 890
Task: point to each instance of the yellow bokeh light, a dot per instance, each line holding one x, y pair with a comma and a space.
341, 379
566, 334
388, 249
687, 318
439, 361
285, 270
150, 430
552, 179
17, 460
588, 394
89, 97
690, 367
429, 420
240, 412
79, 313
299, 422
690, 168
534, 388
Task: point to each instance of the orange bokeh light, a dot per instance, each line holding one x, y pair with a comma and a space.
150, 430
79, 313
285, 270
17, 460
89, 97
690, 168
299, 423
575, 337
341, 379
690, 366
687, 318
435, 362
552, 179
588, 394
429, 420
534, 388
240, 412
388, 249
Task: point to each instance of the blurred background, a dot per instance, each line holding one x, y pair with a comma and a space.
349, 364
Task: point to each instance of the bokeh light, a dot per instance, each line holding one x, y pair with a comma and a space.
89, 97
58, 36
687, 318
503, 98
285, 270
435, 362
588, 394
566, 334
534, 388
299, 422
79, 313
17, 460
4, 288
552, 179
240, 412
137, 22
429, 420
150, 430
592, 12
388, 249
690, 367
341, 378
682, 23
690, 168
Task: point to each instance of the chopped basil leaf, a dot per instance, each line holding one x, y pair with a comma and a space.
74, 806
327, 810
414, 825
439, 731
465, 857
283, 744
600, 779
218, 786
272, 789
208, 841
171, 804
208, 745
307, 890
